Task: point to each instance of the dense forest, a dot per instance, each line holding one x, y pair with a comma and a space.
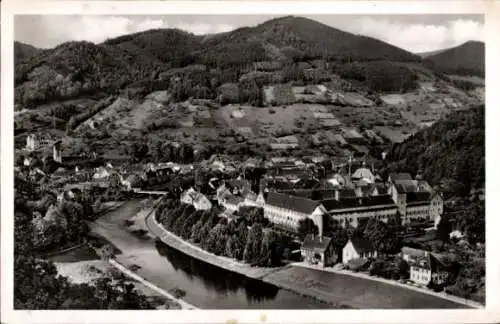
465, 59
450, 153
157, 58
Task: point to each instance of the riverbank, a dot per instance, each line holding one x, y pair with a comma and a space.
458, 300
86, 272
354, 292
196, 252
183, 304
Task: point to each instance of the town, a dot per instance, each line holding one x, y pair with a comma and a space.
284, 164
317, 212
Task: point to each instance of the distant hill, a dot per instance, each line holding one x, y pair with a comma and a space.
465, 59
307, 38
77, 68
24, 51
452, 148
73, 69
172, 46
430, 53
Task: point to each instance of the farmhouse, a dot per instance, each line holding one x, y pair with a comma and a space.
318, 250
358, 248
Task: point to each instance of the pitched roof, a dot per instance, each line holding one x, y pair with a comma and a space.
347, 193
406, 186
414, 253
306, 183
251, 196
418, 197
381, 200
381, 188
363, 173
280, 185
316, 242
400, 176
298, 204
234, 200
362, 244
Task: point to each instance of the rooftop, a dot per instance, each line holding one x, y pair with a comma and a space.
316, 242
372, 201
361, 244
400, 176
417, 197
298, 204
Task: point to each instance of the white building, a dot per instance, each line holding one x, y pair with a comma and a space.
416, 201
232, 203
358, 248
196, 199
349, 211
287, 211
425, 267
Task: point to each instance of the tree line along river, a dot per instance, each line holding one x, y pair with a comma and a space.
206, 286
210, 287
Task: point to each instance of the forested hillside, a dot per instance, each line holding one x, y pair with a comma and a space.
287, 46
451, 151
466, 59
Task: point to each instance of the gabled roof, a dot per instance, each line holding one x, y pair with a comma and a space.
406, 186
316, 242
363, 173
347, 193
306, 183
298, 204
414, 253
372, 201
418, 197
194, 195
280, 185
234, 200
400, 176
361, 244
381, 188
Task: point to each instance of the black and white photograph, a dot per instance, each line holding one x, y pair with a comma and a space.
248, 161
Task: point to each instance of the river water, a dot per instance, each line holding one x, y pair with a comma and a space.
206, 286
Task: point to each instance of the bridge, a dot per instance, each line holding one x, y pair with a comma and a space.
150, 192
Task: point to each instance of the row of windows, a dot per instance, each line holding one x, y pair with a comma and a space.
421, 276
278, 217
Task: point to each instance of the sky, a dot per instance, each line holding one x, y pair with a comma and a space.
415, 33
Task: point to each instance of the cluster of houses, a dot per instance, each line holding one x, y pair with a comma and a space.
346, 198
293, 190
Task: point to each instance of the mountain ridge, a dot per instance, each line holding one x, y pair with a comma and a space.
465, 59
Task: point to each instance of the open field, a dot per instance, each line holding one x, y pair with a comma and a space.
395, 135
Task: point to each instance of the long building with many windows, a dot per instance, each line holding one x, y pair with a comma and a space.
287, 211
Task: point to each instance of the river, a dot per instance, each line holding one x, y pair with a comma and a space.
206, 286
